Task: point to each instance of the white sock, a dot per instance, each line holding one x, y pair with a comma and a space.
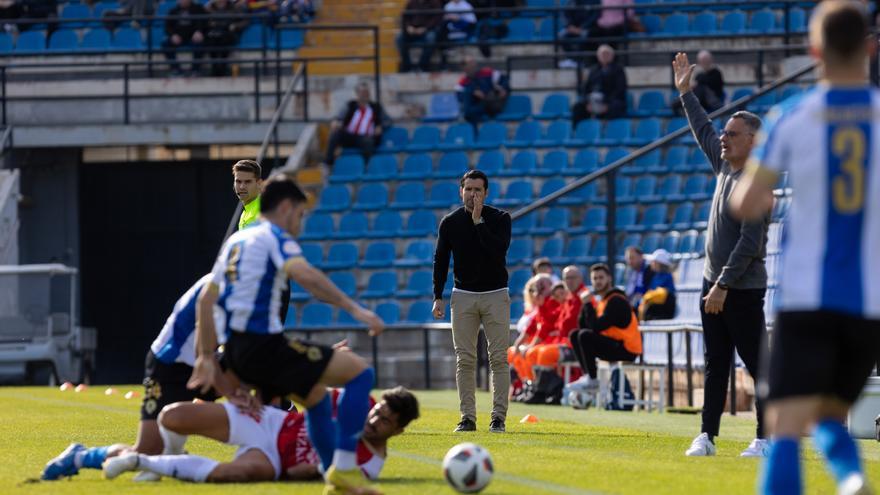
183, 467
173, 441
344, 460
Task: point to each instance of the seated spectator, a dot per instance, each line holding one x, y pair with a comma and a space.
459, 21
420, 28
613, 22
530, 309
658, 303
223, 33
708, 83
481, 92
543, 265
609, 330
604, 93
184, 32
542, 295
358, 125
578, 23
37, 9
639, 275
270, 9
298, 10
10, 10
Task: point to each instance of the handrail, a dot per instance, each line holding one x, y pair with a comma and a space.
264, 146
6, 141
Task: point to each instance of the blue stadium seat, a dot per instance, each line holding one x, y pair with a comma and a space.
521, 251
381, 168
254, 36
650, 242
524, 224
394, 140
555, 221
371, 197
420, 284
33, 41
625, 218
649, 162
797, 20
418, 253
289, 38
675, 25
763, 21
5, 43
617, 131
652, 102
458, 137
442, 108
389, 312
386, 224
556, 134
443, 195
520, 30
518, 193
290, 320
583, 195
522, 164
352, 225
681, 217
763, 103
334, 198
733, 22
421, 223
585, 134
653, 25
647, 131
424, 138
348, 168
156, 36
552, 249
742, 93
688, 242
75, 11
127, 39
526, 133
490, 136
704, 23
517, 309
700, 245
447, 287
622, 190
316, 315
554, 163
555, 106
491, 162
669, 187
409, 195
102, 7
595, 220
344, 319
318, 226
670, 241
577, 249
420, 312
644, 187
518, 280
417, 166
653, 218
341, 256
162, 9
539, 3
697, 162
452, 165
63, 40
380, 285
585, 161
345, 281
675, 156
545, 30
701, 216
379, 254
695, 187
629, 240
599, 250
518, 107
313, 253
613, 155
677, 123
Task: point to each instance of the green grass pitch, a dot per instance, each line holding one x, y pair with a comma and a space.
566, 452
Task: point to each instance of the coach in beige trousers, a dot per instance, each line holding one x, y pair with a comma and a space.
477, 236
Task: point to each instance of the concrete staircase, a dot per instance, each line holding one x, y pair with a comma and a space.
338, 43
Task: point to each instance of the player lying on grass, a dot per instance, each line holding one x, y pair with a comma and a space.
275, 446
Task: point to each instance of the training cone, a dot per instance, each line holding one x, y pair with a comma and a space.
110, 391
66, 386
131, 394
529, 418
81, 387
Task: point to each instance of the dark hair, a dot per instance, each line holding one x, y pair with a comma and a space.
475, 174
539, 262
403, 403
276, 190
248, 166
635, 249
752, 121
600, 267
844, 27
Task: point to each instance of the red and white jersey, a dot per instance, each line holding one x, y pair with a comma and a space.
295, 447
361, 122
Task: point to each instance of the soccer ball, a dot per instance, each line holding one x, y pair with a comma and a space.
580, 400
468, 467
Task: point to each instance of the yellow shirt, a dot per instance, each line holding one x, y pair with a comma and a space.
250, 214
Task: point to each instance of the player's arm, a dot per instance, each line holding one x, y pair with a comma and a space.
302, 472
205, 370
752, 197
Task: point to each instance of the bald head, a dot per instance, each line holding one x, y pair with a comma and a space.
605, 55
470, 65
704, 59
572, 277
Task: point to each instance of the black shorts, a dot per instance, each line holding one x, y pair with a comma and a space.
166, 384
275, 364
821, 353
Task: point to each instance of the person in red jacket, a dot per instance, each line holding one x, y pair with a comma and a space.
547, 355
541, 325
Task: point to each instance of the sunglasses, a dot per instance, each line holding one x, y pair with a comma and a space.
734, 134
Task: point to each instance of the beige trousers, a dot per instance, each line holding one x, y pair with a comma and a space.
492, 310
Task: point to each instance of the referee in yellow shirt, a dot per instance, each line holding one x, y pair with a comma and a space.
248, 183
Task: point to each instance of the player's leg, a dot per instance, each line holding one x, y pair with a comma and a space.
183, 467
496, 325
786, 420
251, 466
717, 355
206, 419
465, 329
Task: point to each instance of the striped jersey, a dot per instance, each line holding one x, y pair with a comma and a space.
176, 342
250, 274
827, 142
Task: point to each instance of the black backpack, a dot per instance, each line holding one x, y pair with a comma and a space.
613, 404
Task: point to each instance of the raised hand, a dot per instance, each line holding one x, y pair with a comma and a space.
478, 207
683, 70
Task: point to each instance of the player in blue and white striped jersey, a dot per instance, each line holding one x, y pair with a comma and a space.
827, 335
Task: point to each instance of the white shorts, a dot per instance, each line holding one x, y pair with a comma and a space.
246, 433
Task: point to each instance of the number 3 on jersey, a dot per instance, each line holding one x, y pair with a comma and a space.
232, 263
848, 186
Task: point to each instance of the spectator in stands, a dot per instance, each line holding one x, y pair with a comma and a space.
298, 10
459, 21
604, 94
10, 10
734, 276
477, 236
547, 298
184, 31
639, 275
222, 33
708, 84
613, 22
543, 265
578, 22
359, 124
658, 303
609, 329
481, 91
421, 28
38, 9
128, 8
530, 309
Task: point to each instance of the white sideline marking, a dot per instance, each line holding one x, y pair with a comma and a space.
512, 478
65, 403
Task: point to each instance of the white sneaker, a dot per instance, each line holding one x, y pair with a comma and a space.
115, 466
701, 447
584, 384
758, 448
146, 476
855, 484
567, 64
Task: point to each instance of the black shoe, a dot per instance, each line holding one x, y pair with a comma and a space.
466, 425
496, 426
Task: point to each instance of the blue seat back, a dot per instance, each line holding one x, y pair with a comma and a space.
491, 162
556, 104
355, 222
704, 23
492, 133
31, 41
551, 186
460, 134
64, 40
335, 198
345, 281
734, 22
675, 25
443, 106
524, 162
528, 130
395, 137
455, 163
317, 315
126, 38
389, 312
388, 221
382, 165
410, 192
380, 251
418, 164
519, 29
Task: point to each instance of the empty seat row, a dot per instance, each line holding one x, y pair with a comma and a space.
317, 315
736, 22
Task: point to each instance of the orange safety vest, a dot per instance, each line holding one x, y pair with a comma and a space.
630, 336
